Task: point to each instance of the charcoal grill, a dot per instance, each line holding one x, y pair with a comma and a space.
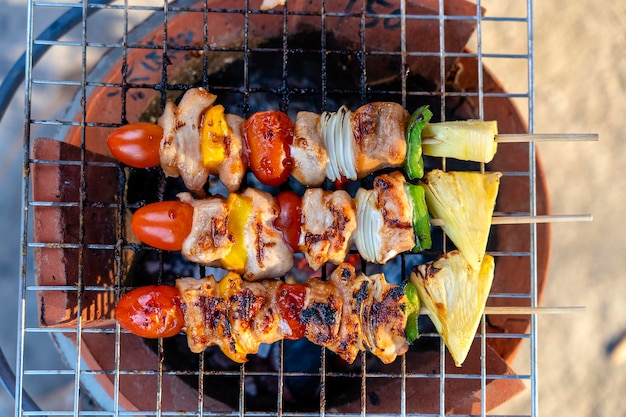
300, 56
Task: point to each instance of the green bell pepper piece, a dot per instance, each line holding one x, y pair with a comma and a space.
411, 331
414, 164
421, 220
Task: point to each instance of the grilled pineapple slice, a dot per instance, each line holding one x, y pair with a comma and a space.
455, 296
468, 140
464, 201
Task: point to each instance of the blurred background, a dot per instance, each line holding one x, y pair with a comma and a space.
580, 87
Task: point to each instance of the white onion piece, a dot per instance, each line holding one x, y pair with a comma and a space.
326, 127
336, 132
347, 160
369, 220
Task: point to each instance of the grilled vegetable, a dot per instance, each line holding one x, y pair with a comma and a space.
455, 295
164, 225
414, 163
136, 144
152, 311
468, 140
420, 218
464, 201
267, 137
239, 212
289, 220
212, 143
412, 311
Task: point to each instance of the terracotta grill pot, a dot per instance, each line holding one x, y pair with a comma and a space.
85, 249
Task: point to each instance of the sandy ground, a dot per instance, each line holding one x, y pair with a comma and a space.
580, 86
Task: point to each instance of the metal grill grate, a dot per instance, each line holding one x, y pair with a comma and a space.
300, 56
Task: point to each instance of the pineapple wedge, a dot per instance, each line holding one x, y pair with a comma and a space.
464, 201
468, 140
455, 296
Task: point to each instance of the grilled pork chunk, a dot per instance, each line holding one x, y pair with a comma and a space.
233, 169
269, 256
379, 135
210, 239
347, 314
328, 221
180, 146
384, 217
368, 311
233, 314
307, 150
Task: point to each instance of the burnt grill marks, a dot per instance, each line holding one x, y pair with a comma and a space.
212, 309
340, 220
360, 296
346, 273
334, 232
362, 125
385, 188
247, 305
321, 314
387, 313
219, 230
260, 243
396, 293
321, 320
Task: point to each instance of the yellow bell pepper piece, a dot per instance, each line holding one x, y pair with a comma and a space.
230, 285
240, 210
214, 131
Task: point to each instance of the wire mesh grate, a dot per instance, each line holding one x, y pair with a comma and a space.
126, 59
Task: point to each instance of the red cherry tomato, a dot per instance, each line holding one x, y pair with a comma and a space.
290, 301
163, 225
341, 183
267, 136
152, 311
289, 218
137, 144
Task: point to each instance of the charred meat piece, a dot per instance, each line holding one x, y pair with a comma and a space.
384, 216
180, 146
346, 314
328, 222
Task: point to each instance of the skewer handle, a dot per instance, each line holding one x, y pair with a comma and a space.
546, 137
531, 219
506, 310
533, 310
538, 137
542, 219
